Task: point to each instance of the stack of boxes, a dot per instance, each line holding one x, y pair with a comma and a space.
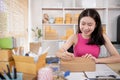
69, 32
50, 34
24, 64
75, 18
71, 18
58, 20
68, 18
6, 59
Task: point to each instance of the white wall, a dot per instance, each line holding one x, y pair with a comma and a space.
36, 14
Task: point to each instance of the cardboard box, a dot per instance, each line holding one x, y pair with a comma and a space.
26, 64
3, 65
5, 55
78, 64
34, 47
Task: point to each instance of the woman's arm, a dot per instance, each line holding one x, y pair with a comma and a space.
114, 55
62, 52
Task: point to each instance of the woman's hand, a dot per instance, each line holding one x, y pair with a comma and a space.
67, 56
91, 57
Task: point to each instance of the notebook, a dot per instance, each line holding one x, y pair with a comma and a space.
103, 71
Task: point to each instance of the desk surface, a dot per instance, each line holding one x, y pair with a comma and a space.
115, 67
29, 77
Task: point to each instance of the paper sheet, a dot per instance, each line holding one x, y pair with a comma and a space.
76, 76
101, 70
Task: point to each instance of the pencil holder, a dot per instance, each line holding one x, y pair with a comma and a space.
19, 76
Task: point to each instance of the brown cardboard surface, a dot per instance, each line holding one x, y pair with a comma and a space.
4, 63
26, 64
34, 47
78, 64
5, 55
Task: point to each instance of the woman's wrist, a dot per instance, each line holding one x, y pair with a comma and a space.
97, 61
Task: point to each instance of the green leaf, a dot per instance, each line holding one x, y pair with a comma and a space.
39, 33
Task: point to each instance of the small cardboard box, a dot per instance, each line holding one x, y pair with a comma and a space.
78, 64
34, 47
3, 65
26, 64
5, 55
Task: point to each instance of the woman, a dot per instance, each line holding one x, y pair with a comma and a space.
88, 39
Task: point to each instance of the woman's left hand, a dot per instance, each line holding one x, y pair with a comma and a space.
87, 56
90, 56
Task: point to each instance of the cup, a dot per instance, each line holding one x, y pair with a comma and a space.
19, 76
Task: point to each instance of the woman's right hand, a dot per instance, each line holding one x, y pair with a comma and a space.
67, 56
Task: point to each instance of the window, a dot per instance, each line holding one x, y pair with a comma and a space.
14, 20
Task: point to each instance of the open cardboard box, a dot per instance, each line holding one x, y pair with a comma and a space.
26, 64
5, 55
6, 59
78, 64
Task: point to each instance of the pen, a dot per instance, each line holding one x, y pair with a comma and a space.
15, 73
85, 75
12, 72
9, 75
1, 76
109, 76
5, 75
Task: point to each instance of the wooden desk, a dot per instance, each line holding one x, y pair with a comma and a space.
29, 77
115, 67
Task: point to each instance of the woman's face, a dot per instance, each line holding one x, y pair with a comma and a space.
87, 26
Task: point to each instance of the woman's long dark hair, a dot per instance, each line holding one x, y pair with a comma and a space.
96, 36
